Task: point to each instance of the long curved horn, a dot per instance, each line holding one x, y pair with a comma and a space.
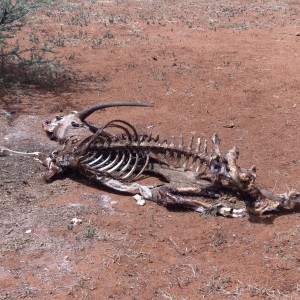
85, 113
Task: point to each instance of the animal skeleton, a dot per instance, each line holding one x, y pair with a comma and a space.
117, 156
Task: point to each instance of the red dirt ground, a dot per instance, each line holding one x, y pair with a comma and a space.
210, 66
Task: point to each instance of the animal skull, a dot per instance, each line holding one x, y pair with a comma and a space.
63, 127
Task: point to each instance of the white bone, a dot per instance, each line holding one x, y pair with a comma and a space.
118, 164
103, 162
127, 165
8, 152
111, 164
139, 199
133, 168
96, 160
88, 159
122, 187
143, 168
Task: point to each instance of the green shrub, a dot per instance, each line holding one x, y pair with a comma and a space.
34, 64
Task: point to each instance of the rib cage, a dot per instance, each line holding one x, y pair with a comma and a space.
118, 151
123, 164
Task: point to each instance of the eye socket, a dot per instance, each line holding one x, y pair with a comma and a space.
74, 124
58, 118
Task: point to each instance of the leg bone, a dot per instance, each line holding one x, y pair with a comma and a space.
8, 152
166, 197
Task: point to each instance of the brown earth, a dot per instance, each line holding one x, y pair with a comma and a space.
210, 66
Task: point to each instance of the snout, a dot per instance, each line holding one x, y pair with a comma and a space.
48, 126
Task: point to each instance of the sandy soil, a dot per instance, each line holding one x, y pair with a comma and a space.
210, 66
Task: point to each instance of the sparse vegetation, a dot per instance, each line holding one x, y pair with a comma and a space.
29, 62
90, 232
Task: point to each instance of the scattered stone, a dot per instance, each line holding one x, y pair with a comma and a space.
230, 125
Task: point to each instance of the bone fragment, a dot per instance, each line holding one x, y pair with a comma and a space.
139, 200
197, 149
122, 187
8, 152
180, 145
172, 143
190, 144
216, 141
76, 221
205, 147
